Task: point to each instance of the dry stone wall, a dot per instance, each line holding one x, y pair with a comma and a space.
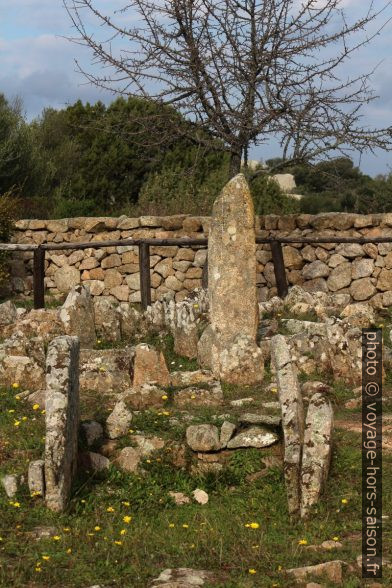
365, 272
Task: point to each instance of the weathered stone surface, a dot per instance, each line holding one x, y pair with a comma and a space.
149, 367
62, 420
128, 459
106, 371
90, 461
200, 496
145, 396
226, 433
290, 399
340, 277
253, 437
232, 286
119, 420
332, 570
178, 379
107, 320
10, 484
345, 353
384, 281
23, 370
92, 432
203, 438
66, 278
77, 316
199, 396
184, 578
362, 289
180, 498
316, 269
36, 477
8, 313
317, 450
250, 418
362, 268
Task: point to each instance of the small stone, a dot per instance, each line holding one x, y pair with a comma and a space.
10, 484
260, 419
117, 423
92, 431
180, 498
253, 437
88, 460
200, 496
331, 570
129, 459
227, 431
241, 401
203, 438
36, 477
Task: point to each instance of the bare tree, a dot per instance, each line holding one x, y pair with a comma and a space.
246, 71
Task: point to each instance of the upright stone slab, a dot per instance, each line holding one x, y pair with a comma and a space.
77, 316
317, 450
62, 420
292, 419
232, 290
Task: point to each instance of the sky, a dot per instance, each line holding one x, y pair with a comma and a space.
37, 64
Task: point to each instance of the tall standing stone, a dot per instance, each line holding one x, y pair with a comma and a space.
62, 420
77, 316
230, 339
290, 399
317, 450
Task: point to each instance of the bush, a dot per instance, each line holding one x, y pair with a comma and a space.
9, 205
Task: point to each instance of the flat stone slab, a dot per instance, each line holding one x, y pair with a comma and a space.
254, 437
249, 418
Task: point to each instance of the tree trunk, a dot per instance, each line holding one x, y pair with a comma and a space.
235, 164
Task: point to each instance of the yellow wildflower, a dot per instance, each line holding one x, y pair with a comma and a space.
110, 509
171, 525
123, 532
16, 504
46, 557
344, 501
127, 519
335, 538
97, 528
17, 397
24, 418
66, 529
35, 406
69, 550
118, 542
254, 525
302, 542
164, 397
252, 571
185, 526
16, 423
125, 503
56, 537
15, 385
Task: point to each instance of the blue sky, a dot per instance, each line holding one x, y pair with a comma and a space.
37, 64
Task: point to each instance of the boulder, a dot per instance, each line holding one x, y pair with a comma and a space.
253, 437
107, 320
77, 316
36, 477
119, 420
66, 277
149, 367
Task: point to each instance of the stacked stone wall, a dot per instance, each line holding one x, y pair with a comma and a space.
364, 271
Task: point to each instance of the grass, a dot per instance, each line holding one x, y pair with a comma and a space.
92, 543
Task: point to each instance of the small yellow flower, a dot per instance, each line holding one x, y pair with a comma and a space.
185, 526
46, 557
35, 406
279, 568
254, 525
102, 369
274, 389
255, 546
38, 570
11, 410
125, 503
193, 396
43, 411
99, 341
56, 537
123, 532
118, 542
344, 501
127, 519
66, 529
16, 423
97, 528
16, 504
15, 385
195, 306
335, 538
130, 431
90, 534
247, 525
24, 418
164, 397
302, 542
17, 397
252, 571
83, 501
110, 509
171, 525
69, 550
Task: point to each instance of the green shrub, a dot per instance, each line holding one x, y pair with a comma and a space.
9, 205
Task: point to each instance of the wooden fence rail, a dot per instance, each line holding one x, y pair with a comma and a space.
144, 257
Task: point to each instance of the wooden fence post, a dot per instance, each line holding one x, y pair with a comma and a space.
145, 278
279, 269
39, 278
